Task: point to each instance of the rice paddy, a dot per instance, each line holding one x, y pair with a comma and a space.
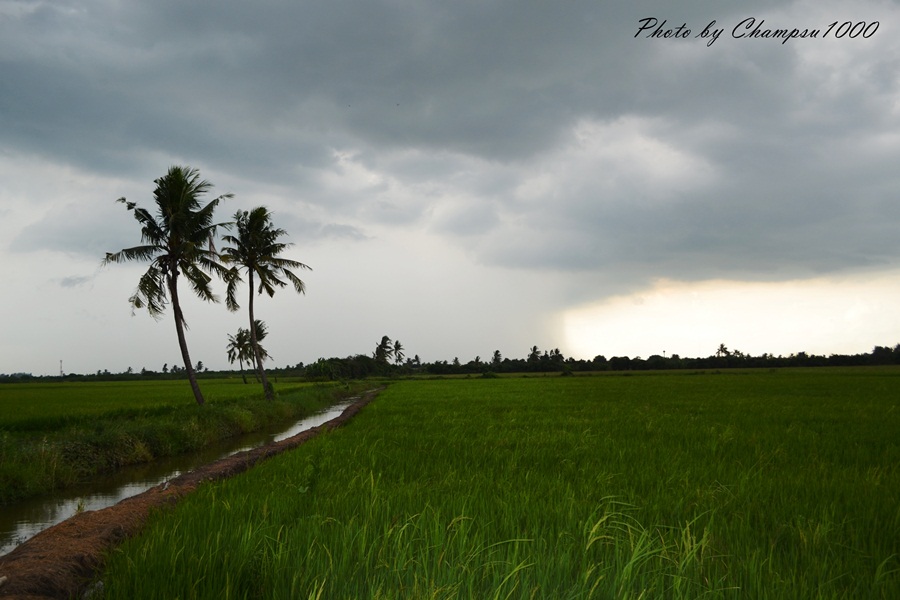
53, 436
757, 484
46, 406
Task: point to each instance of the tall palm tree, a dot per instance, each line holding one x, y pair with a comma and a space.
178, 241
255, 250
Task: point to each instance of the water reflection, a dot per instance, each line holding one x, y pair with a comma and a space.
20, 522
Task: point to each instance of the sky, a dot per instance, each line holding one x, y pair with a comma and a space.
464, 177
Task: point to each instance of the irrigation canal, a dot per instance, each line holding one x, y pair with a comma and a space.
19, 522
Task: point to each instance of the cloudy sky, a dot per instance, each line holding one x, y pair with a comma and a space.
462, 176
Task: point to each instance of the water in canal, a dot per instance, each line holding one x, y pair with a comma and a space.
19, 522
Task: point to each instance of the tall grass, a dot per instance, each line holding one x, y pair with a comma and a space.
139, 424
47, 406
758, 485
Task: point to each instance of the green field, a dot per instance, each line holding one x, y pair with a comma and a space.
759, 484
54, 436
45, 406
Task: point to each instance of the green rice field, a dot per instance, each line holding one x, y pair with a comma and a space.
56, 435
756, 484
45, 406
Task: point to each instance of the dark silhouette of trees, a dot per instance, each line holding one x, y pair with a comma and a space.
384, 350
255, 250
239, 347
178, 242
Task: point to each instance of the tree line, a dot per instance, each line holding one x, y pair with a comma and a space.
380, 364
383, 363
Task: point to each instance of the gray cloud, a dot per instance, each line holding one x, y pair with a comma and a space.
74, 281
529, 135
78, 230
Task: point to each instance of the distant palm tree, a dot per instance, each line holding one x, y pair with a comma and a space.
398, 352
178, 241
240, 349
384, 350
255, 249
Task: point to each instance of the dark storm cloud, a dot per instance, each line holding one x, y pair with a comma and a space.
749, 158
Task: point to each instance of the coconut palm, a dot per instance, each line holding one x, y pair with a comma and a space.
398, 352
384, 350
255, 250
178, 241
239, 347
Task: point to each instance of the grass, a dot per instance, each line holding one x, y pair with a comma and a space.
54, 436
741, 485
48, 406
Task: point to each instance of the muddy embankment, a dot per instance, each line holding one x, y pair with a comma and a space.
62, 560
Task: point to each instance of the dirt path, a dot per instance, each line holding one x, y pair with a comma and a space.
60, 561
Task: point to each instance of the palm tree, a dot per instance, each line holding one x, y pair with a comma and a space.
239, 347
384, 350
178, 241
255, 249
398, 352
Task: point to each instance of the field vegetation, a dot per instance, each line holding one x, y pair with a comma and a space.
57, 434
758, 484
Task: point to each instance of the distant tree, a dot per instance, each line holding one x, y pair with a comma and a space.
722, 351
398, 352
199, 366
534, 354
255, 250
177, 242
620, 363
496, 359
165, 368
384, 350
240, 349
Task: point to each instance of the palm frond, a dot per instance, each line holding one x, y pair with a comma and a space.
299, 286
150, 292
129, 254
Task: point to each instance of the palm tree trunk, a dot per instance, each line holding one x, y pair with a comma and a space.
182, 343
253, 343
